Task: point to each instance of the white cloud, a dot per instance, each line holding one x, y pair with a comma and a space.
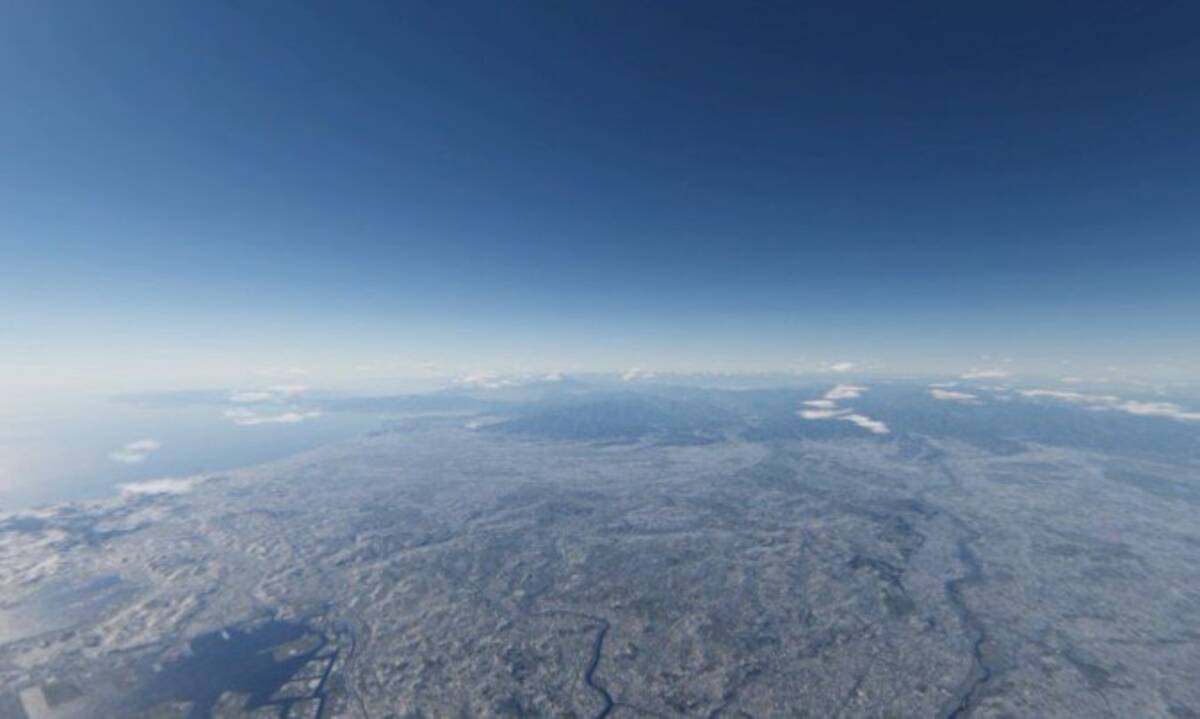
950, 396
943, 384
496, 380
1110, 402
827, 408
845, 391
487, 380
867, 423
135, 452
634, 374
822, 413
845, 415
1159, 409
269, 394
248, 418
160, 486
842, 367
1068, 396
986, 374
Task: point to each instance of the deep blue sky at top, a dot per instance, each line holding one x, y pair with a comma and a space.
858, 179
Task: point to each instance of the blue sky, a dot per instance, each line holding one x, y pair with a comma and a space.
193, 192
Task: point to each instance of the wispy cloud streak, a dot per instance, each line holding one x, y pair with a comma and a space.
248, 418
827, 408
135, 452
952, 396
160, 486
1169, 410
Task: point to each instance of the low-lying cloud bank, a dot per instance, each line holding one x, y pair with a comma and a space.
823, 413
487, 380
952, 396
1112, 402
845, 391
495, 380
827, 408
867, 423
249, 418
637, 374
135, 452
274, 393
160, 486
276, 404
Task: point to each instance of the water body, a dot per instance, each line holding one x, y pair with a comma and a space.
245, 661
64, 452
